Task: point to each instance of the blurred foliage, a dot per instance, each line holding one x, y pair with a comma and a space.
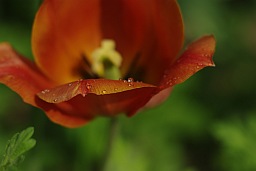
208, 123
15, 149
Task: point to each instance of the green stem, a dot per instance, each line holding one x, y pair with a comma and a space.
112, 132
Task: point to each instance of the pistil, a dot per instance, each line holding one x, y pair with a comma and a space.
107, 61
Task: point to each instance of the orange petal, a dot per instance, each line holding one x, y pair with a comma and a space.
63, 114
146, 35
64, 32
128, 22
91, 98
157, 41
197, 56
23, 77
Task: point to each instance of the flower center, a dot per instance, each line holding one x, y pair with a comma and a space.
106, 61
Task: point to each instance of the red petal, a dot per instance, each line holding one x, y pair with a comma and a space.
64, 33
165, 41
197, 56
92, 98
149, 36
23, 77
63, 114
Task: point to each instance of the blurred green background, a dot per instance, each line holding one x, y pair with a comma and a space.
208, 122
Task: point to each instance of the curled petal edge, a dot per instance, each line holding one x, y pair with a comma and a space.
24, 78
197, 56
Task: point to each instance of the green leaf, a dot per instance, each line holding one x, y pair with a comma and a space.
16, 147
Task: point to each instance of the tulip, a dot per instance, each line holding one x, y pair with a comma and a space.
102, 58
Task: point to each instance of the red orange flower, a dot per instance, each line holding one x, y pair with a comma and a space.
65, 34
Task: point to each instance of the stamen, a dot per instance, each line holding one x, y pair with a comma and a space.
106, 60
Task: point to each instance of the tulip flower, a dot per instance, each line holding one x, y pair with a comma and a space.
102, 58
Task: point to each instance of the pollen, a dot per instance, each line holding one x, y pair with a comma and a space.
105, 58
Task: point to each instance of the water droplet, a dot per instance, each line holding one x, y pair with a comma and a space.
45, 91
83, 94
104, 91
130, 80
169, 82
55, 100
88, 86
130, 84
115, 89
70, 84
124, 81
197, 67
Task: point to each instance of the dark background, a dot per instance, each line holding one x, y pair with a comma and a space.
208, 123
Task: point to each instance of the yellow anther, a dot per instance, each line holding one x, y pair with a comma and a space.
105, 54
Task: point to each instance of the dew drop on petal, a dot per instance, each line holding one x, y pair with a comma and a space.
104, 91
130, 80
70, 84
45, 91
55, 100
88, 86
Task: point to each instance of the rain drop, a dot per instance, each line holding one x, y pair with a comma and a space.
45, 91
169, 83
130, 84
130, 80
55, 100
104, 91
88, 86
